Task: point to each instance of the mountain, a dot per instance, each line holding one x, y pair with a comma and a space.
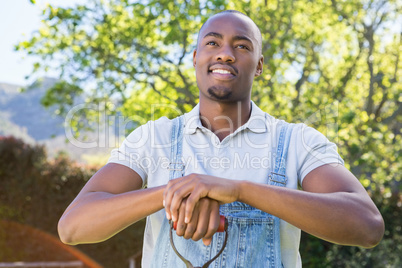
23, 116
22, 109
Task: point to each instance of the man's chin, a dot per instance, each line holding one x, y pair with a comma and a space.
220, 93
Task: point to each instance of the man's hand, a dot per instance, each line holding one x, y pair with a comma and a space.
204, 223
194, 187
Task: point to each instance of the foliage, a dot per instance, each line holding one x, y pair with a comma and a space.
36, 191
335, 65
318, 253
113, 50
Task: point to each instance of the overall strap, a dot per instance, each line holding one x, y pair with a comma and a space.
163, 253
176, 165
278, 175
278, 178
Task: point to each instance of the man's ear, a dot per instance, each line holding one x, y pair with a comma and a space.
194, 56
260, 64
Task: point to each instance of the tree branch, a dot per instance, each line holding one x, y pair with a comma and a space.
157, 91
394, 115
299, 83
369, 35
305, 73
346, 78
384, 96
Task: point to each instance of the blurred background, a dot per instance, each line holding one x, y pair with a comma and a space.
77, 77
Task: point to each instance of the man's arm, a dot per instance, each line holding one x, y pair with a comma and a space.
333, 206
110, 201
113, 199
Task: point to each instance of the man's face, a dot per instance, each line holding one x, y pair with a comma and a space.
227, 58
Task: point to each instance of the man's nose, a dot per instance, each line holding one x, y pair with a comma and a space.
225, 54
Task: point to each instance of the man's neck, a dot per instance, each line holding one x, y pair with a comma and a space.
224, 118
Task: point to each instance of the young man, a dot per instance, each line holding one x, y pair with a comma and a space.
225, 157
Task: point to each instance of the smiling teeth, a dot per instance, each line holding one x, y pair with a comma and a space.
219, 71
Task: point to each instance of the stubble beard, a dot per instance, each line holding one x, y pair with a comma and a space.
219, 93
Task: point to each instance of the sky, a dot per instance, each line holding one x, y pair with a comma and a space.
18, 20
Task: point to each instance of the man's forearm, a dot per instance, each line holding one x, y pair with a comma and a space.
339, 217
96, 216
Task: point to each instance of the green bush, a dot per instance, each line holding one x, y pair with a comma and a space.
36, 191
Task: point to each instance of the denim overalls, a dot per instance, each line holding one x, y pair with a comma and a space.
253, 235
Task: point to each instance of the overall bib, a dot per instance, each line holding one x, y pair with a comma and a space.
253, 235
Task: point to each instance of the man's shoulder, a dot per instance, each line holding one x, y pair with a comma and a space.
299, 130
161, 122
153, 131
278, 123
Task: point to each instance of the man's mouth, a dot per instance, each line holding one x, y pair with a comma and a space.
222, 72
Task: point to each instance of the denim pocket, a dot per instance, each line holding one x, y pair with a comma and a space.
251, 237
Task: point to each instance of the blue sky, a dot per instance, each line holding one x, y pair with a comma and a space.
18, 20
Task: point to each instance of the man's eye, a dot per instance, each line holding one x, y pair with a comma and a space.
242, 46
212, 43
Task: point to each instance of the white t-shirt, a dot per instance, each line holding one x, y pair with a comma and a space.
246, 154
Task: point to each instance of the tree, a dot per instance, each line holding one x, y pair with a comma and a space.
333, 64
121, 50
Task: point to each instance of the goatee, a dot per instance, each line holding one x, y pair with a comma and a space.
219, 93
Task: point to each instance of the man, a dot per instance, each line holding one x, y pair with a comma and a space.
235, 160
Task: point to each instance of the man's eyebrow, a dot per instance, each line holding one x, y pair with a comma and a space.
214, 34
236, 38
242, 37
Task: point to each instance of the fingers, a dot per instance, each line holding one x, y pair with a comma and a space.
172, 198
192, 200
204, 222
214, 220
213, 223
193, 225
176, 190
203, 210
181, 225
207, 211
194, 187
213, 226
